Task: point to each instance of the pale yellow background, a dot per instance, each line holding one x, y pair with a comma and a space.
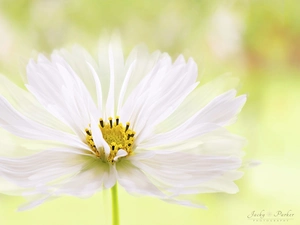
256, 40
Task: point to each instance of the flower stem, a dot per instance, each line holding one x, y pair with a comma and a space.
115, 205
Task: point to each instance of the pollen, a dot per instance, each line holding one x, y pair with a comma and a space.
116, 136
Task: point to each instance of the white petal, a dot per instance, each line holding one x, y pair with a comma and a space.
39, 169
19, 125
87, 182
54, 84
27, 105
98, 138
110, 177
103, 62
221, 142
110, 103
98, 89
124, 86
78, 151
117, 65
134, 181
81, 62
185, 203
92, 178
112, 72
34, 202
180, 172
144, 90
194, 102
8, 188
180, 60
179, 135
163, 91
219, 112
217, 142
120, 153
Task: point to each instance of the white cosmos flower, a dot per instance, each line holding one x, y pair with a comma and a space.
142, 122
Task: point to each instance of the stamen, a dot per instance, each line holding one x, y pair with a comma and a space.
110, 122
88, 132
101, 122
116, 136
127, 126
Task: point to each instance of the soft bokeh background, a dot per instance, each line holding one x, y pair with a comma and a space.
257, 40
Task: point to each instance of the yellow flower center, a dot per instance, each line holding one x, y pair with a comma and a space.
116, 136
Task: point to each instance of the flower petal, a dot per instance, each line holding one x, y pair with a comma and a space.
36, 171
81, 62
98, 138
87, 182
112, 72
219, 112
134, 180
163, 91
54, 84
27, 105
144, 89
110, 177
186, 173
19, 125
120, 153
35, 201
196, 100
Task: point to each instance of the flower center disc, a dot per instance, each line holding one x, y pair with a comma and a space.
116, 136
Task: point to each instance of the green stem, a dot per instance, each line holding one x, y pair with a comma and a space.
115, 205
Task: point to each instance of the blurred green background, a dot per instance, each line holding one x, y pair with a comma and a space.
256, 40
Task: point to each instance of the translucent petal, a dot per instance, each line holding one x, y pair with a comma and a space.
19, 125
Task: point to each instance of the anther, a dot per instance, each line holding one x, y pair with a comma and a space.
110, 122
117, 136
88, 132
101, 122
127, 126
130, 135
113, 144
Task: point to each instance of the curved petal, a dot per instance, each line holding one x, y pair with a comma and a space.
49, 175
27, 105
82, 62
111, 62
98, 138
221, 111
61, 92
87, 182
135, 181
19, 125
35, 201
110, 177
38, 170
186, 173
196, 100
159, 94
